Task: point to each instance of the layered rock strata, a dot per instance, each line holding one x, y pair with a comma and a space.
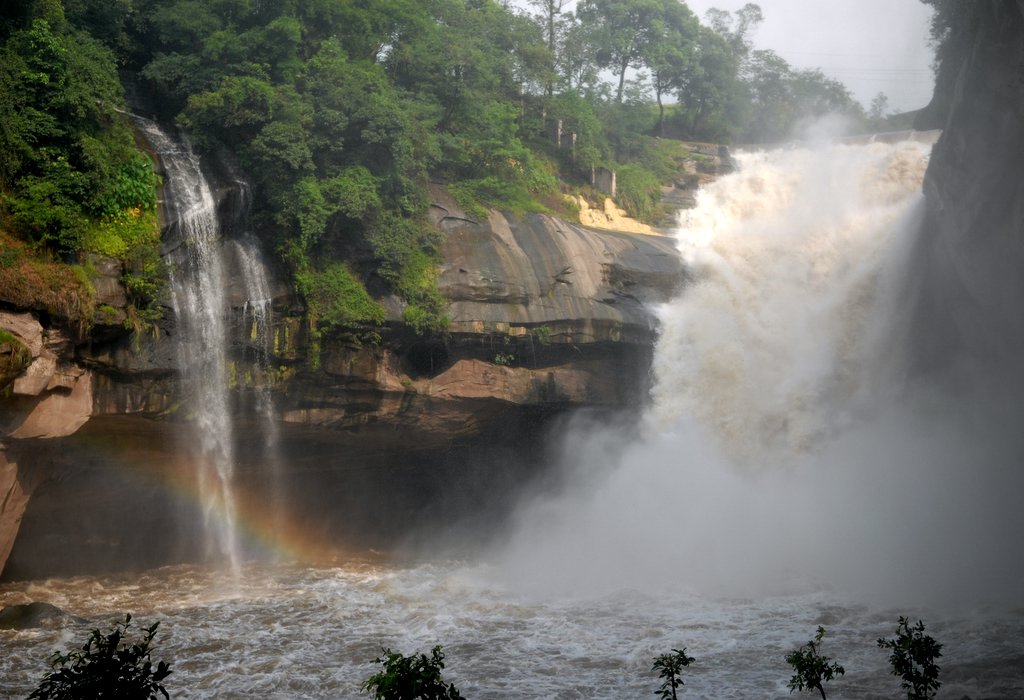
546, 316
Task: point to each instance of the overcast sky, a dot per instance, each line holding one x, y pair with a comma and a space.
871, 46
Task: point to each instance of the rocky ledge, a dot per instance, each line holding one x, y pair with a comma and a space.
546, 316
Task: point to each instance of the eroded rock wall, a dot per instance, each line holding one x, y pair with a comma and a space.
375, 440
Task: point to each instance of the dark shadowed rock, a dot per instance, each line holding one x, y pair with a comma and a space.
966, 277
33, 615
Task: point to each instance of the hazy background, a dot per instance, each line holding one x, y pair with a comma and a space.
871, 46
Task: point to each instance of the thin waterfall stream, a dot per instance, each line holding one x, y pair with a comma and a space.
198, 295
257, 323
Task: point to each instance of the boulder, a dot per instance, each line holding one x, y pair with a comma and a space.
61, 411
33, 615
26, 328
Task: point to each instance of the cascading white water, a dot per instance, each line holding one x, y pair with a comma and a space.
257, 321
256, 316
776, 340
782, 451
197, 288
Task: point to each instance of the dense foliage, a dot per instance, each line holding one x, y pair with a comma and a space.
342, 113
72, 181
108, 666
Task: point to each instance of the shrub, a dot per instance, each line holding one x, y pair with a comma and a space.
407, 256
14, 356
670, 668
108, 666
913, 659
414, 677
812, 669
35, 281
638, 191
336, 298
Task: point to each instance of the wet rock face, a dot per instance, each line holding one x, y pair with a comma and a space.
544, 314
540, 274
968, 260
546, 317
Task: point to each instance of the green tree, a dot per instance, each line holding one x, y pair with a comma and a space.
671, 53
108, 666
737, 27
577, 65
781, 97
67, 157
623, 29
912, 656
670, 668
414, 677
878, 111
549, 16
706, 93
812, 669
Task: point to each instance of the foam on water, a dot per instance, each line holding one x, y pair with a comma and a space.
295, 632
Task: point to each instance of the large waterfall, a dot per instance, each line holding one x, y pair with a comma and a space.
788, 446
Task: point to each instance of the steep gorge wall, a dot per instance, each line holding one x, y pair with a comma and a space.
546, 316
967, 275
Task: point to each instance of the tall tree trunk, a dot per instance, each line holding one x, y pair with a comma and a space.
698, 116
622, 80
661, 113
550, 89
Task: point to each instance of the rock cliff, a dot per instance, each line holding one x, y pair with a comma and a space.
966, 282
546, 316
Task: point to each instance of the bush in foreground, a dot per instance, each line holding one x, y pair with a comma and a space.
414, 677
812, 669
670, 668
913, 659
108, 667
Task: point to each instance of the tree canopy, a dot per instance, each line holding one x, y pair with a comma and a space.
342, 111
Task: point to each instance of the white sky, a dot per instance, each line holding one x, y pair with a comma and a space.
870, 46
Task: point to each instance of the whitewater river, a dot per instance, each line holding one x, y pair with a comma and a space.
293, 632
793, 469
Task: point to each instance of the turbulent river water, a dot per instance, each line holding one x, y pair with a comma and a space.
789, 472
295, 632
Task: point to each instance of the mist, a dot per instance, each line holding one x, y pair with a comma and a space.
790, 444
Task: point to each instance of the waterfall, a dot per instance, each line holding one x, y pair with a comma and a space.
776, 341
785, 448
256, 320
198, 297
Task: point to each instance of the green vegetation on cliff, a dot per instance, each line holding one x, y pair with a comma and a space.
342, 112
72, 181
